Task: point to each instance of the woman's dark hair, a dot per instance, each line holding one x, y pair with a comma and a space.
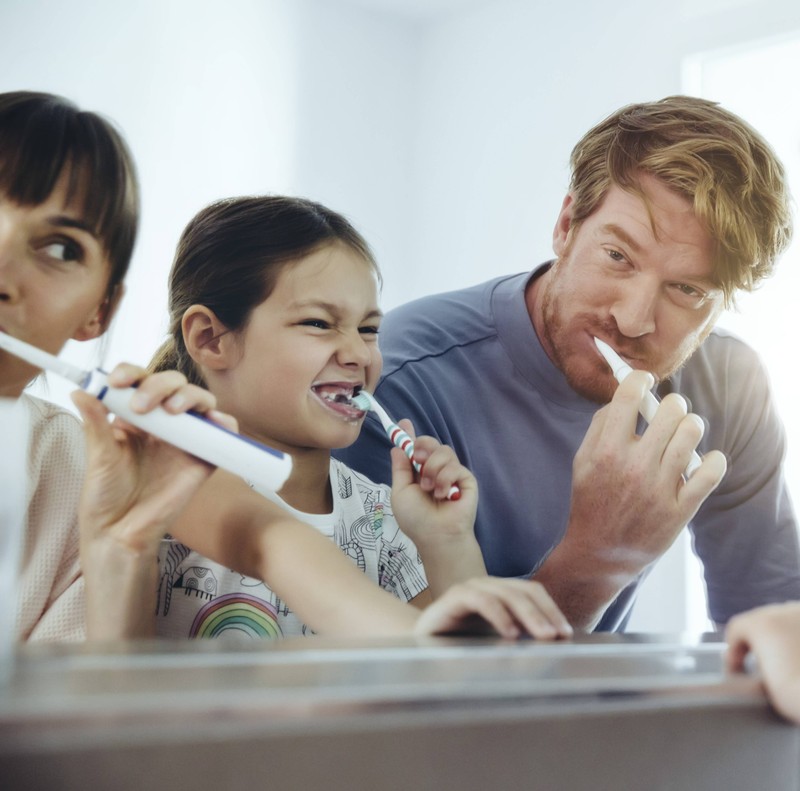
229, 258
43, 136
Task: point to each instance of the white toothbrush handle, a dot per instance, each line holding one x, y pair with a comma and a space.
647, 409
267, 469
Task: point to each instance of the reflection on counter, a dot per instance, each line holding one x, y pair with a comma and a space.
597, 712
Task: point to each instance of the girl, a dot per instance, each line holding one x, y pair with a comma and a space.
68, 217
274, 308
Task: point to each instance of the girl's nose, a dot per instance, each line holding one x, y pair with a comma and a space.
353, 350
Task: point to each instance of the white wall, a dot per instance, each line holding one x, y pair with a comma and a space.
441, 128
506, 89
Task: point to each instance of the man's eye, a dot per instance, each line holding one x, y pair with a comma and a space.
690, 291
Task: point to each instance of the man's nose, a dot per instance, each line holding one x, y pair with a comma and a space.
634, 309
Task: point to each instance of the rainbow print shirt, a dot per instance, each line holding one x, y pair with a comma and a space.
198, 597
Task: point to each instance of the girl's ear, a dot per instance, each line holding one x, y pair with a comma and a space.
99, 321
563, 226
209, 342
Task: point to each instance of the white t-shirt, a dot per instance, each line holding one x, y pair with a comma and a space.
198, 597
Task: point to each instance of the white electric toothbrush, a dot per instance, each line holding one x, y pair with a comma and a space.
266, 468
649, 404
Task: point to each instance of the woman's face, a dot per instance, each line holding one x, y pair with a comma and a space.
54, 276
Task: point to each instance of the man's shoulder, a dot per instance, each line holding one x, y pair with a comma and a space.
723, 371
432, 325
723, 350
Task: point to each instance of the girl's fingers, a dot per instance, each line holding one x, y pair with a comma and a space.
530, 605
402, 471
511, 607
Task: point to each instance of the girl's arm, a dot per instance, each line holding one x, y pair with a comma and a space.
237, 527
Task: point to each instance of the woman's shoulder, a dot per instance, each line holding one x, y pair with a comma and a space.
46, 417
55, 433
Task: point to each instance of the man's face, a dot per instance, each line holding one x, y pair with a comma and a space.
641, 281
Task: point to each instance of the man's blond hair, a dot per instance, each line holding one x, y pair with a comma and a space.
728, 172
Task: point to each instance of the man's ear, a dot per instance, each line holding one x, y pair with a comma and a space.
563, 226
98, 323
209, 342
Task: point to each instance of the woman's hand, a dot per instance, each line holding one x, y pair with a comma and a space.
135, 486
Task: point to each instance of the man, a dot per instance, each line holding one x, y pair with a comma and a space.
673, 206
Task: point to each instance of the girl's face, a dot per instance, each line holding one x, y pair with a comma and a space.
304, 351
53, 279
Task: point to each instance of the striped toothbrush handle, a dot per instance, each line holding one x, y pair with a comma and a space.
402, 440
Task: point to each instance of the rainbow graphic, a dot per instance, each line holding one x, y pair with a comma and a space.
237, 612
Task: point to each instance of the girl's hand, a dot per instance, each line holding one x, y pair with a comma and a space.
510, 607
135, 486
419, 500
442, 529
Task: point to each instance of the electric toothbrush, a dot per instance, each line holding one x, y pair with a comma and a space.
266, 468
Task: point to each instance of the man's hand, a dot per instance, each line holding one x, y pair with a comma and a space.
629, 499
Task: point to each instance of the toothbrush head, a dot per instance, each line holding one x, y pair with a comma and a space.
363, 401
618, 366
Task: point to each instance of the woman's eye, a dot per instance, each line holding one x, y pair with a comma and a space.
616, 255
63, 251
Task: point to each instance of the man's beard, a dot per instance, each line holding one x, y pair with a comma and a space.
591, 377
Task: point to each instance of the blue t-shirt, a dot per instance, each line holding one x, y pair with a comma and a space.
467, 367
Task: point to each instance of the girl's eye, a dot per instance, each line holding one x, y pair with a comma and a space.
65, 250
320, 324
616, 255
